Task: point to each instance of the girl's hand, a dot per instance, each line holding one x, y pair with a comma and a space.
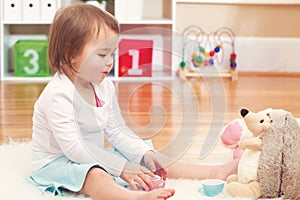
154, 162
133, 173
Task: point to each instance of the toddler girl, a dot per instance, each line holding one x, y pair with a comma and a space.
78, 108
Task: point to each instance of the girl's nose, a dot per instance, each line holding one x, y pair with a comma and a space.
109, 64
109, 61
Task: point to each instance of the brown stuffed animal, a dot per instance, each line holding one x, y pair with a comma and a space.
274, 171
279, 163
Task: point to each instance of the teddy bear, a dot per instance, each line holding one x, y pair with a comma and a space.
270, 165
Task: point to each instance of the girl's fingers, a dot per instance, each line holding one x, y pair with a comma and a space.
152, 166
146, 171
141, 182
161, 170
165, 173
147, 180
132, 185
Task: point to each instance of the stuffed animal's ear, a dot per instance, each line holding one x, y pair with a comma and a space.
291, 121
244, 112
282, 119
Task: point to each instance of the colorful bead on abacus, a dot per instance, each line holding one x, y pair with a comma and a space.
233, 64
197, 64
233, 56
202, 49
182, 64
194, 55
232, 61
199, 59
206, 63
217, 49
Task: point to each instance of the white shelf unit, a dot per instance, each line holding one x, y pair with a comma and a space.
12, 30
159, 15
156, 13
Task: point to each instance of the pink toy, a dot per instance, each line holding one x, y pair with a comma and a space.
232, 134
158, 182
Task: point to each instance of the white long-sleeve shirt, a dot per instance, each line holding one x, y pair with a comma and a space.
65, 124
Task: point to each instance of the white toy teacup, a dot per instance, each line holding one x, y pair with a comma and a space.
157, 181
211, 187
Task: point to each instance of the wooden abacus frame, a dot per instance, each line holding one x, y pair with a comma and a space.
198, 36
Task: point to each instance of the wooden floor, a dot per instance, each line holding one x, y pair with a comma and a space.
182, 117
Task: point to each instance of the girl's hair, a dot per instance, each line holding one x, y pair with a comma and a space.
72, 28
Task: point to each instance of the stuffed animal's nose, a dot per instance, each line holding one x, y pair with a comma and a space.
244, 112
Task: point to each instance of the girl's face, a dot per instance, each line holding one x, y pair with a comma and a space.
97, 59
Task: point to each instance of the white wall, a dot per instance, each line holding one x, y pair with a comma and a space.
261, 54
268, 35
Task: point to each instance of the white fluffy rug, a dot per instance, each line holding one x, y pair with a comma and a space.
15, 166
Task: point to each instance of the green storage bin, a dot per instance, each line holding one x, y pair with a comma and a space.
31, 58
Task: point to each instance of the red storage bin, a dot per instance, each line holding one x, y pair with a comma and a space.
135, 58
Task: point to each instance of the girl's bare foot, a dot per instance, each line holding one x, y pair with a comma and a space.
227, 169
158, 194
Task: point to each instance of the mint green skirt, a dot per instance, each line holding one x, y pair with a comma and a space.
63, 174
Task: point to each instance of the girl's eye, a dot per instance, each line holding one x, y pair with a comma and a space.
104, 55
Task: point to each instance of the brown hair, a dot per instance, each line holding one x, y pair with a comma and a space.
71, 29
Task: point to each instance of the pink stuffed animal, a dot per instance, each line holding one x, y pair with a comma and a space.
233, 133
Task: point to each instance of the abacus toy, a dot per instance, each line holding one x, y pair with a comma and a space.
203, 54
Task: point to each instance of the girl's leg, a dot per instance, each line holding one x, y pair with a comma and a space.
195, 171
100, 185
